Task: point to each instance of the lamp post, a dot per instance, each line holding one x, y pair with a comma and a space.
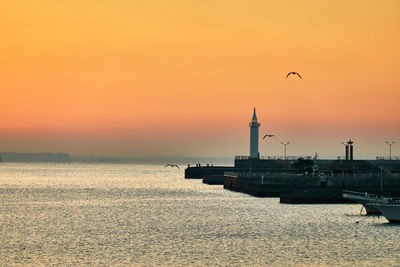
285, 144
390, 148
346, 156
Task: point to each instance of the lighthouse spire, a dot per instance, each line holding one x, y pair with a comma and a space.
254, 119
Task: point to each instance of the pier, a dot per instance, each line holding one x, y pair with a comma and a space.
302, 179
278, 178
199, 172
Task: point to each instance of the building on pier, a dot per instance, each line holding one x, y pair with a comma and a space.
254, 125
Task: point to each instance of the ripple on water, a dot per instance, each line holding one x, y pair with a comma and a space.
94, 214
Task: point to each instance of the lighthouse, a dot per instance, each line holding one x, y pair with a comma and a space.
254, 125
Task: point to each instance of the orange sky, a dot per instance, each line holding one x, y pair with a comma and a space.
134, 78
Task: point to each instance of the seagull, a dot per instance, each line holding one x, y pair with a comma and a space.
294, 73
172, 165
268, 135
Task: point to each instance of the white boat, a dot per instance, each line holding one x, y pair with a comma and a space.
391, 210
369, 201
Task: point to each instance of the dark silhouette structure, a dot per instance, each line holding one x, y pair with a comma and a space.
349, 150
303, 166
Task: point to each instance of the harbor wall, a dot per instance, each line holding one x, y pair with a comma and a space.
214, 179
326, 195
273, 166
252, 187
199, 172
277, 178
309, 189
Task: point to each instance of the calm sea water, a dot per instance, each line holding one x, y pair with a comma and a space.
144, 215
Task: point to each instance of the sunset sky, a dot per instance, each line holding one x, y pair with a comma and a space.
137, 78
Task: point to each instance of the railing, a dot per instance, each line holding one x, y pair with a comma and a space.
360, 194
241, 157
275, 157
305, 157
387, 158
346, 176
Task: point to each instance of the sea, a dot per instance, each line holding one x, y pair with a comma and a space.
149, 215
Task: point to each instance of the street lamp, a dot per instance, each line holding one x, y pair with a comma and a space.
390, 148
285, 144
346, 156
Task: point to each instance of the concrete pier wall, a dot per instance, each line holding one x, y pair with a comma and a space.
277, 178
308, 189
202, 171
326, 195
214, 179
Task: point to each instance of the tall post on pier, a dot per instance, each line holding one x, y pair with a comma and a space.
390, 148
285, 144
350, 148
346, 155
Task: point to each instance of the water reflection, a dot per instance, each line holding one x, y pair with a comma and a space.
93, 214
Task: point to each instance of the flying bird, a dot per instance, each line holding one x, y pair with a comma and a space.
294, 73
172, 165
268, 135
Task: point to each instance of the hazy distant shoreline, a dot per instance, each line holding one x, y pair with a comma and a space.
151, 159
66, 158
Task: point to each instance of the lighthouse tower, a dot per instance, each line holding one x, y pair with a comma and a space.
254, 136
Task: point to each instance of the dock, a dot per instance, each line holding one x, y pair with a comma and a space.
278, 178
302, 179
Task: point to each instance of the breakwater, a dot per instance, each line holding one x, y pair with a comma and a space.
199, 172
278, 179
309, 189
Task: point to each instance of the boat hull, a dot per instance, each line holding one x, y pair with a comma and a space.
367, 200
371, 209
390, 211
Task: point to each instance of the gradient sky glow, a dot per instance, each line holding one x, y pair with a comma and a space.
133, 78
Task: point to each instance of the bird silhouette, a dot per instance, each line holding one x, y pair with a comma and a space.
268, 135
172, 165
293, 73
